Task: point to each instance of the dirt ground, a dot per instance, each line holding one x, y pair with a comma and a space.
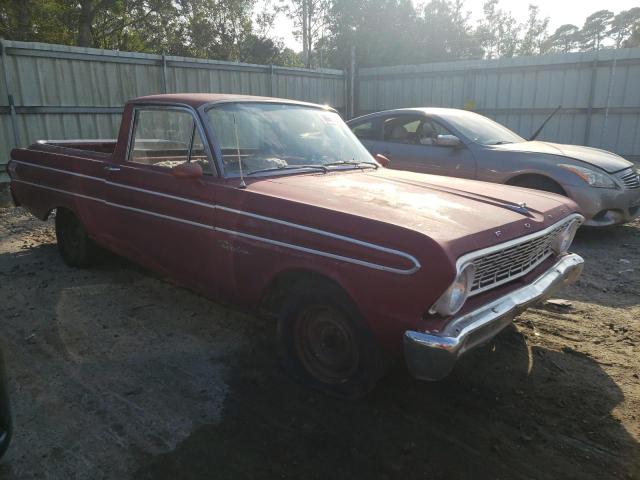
118, 374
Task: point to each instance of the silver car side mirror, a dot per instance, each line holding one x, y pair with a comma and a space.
448, 141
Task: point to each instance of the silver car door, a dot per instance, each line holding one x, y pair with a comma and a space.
433, 154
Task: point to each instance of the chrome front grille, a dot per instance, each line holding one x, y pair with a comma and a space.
502, 265
630, 179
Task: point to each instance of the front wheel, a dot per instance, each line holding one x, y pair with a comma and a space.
76, 247
325, 343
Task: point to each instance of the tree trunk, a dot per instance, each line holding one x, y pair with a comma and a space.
87, 14
305, 33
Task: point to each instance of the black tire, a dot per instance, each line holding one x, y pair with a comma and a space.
539, 183
75, 246
325, 344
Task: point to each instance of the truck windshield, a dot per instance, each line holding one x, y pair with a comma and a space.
481, 129
272, 138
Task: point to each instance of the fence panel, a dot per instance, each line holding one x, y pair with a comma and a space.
599, 93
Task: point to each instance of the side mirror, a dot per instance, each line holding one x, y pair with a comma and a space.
448, 141
187, 170
382, 160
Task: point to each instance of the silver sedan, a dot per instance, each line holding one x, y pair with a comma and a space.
459, 143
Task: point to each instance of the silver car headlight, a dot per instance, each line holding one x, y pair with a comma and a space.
451, 301
562, 241
592, 177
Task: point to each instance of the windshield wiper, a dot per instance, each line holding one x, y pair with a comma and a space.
289, 167
354, 164
501, 142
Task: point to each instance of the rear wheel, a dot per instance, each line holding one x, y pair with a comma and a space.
74, 244
325, 343
539, 183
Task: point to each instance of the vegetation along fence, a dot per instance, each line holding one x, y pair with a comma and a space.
599, 93
55, 92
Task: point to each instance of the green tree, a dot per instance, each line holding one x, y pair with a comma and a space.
310, 19
443, 32
624, 24
565, 39
36, 21
595, 29
535, 33
633, 40
383, 32
497, 31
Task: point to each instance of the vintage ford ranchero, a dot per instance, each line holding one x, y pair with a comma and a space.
274, 204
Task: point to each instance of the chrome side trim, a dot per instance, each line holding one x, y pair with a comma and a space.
411, 258
117, 205
59, 190
270, 241
317, 252
164, 195
57, 170
121, 185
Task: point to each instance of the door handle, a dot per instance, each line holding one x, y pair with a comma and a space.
112, 168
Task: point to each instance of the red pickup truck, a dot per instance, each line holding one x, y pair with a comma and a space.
274, 204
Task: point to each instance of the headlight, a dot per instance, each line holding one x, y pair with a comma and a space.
561, 243
452, 300
592, 177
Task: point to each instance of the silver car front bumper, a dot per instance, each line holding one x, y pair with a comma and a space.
603, 207
432, 356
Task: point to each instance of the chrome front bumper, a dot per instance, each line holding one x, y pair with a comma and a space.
431, 356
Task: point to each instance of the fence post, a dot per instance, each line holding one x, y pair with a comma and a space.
164, 73
12, 108
592, 90
271, 79
352, 83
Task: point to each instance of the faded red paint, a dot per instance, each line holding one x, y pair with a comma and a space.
434, 219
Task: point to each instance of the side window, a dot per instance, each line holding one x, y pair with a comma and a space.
166, 138
402, 129
365, 131
429, 131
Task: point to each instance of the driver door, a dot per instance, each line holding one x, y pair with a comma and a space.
157, 219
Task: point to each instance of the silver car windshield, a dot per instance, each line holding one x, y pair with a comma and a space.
272, 138
482, 130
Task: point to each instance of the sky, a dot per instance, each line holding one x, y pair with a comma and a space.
558, 11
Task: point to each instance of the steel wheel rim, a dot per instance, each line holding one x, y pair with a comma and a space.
326, 344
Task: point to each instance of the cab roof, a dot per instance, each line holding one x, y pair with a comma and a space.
197, 100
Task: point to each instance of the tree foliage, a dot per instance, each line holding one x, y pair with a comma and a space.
383, 32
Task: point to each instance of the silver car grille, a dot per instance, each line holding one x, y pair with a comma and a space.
630, 179
515, 260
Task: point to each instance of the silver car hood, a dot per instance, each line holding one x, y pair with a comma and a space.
608, 161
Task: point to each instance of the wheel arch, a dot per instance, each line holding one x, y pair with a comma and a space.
274, 293
535, 176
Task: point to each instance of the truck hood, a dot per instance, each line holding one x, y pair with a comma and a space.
610, 162
448, 210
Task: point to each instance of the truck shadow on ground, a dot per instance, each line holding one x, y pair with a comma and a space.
506, 412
